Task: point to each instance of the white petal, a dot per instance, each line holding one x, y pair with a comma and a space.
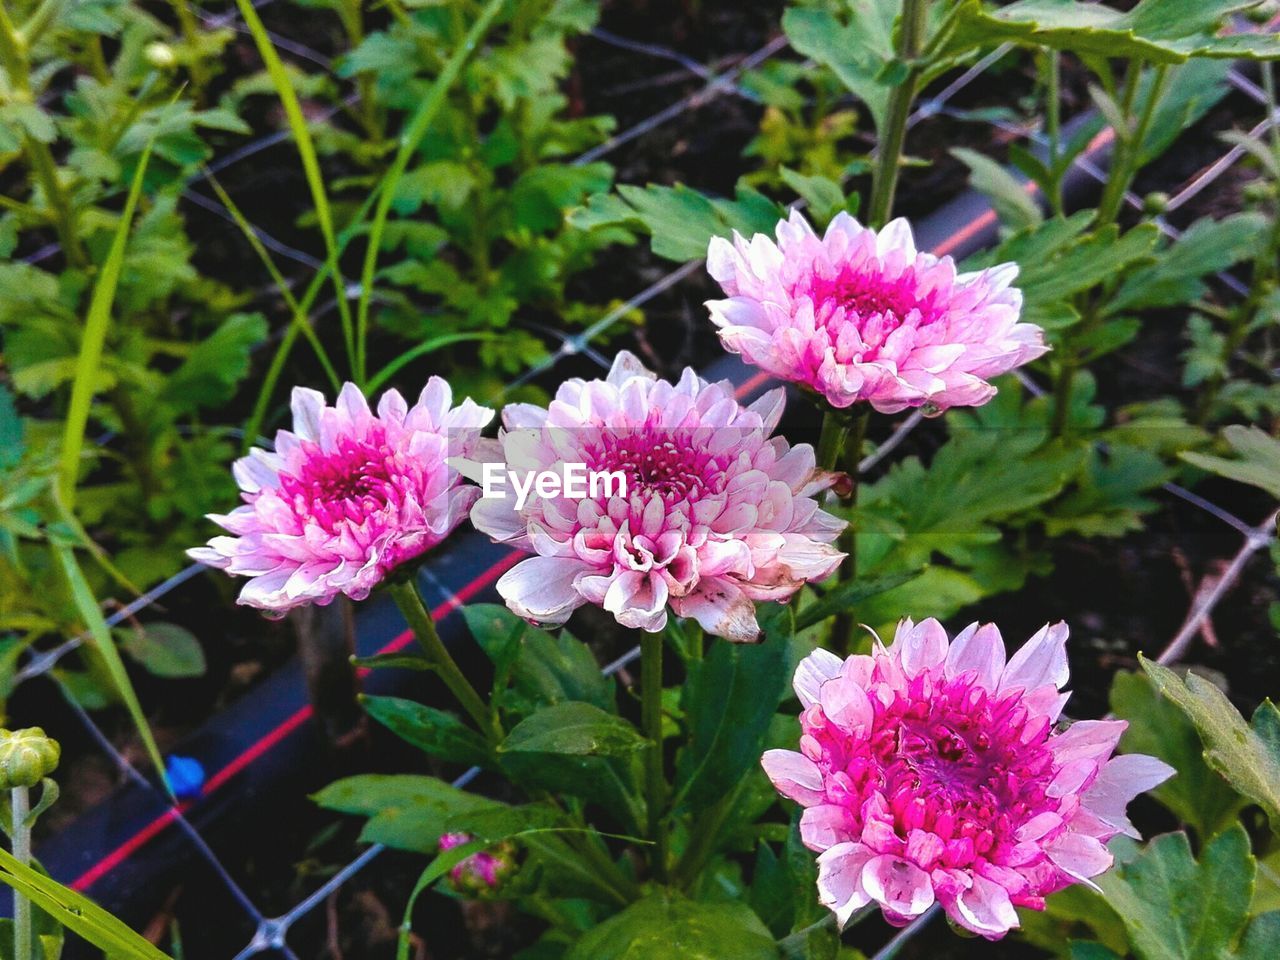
306, 405
977, 648
1041, 660
920, 647
1119, 781
541, 588
794, 775
812, 672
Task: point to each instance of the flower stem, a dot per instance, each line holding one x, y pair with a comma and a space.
884, 182
20, 835
842, 631
419, 619
651, 721
1053, 122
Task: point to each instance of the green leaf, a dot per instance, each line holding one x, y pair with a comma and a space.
661, 927
1008, 195
576, 729
165, 649
215, 366
76, 912
857, 50
681, 220
542, 195
405, 811
11, 431
1158, 728
1157, 31
729, 701
434, 732
824, 196
1247, 755
544, 668
1207, 247
1258, 462
1177, 909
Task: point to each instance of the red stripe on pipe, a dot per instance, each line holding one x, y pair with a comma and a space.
126, 849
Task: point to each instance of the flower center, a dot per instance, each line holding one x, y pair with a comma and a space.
955, 763
660, 465
348, 484
873, 304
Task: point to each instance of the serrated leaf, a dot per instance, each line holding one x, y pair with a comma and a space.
1176, 908
856, 49
1206, 247
209, 376
681, 220
1158, 728
1248, 755
1156, 31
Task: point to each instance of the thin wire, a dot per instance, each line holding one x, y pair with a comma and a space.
43, 662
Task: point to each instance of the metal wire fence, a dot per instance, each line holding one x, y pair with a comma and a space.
270, 933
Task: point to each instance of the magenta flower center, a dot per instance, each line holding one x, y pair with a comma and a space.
360, 477
658, 463
958, 764
876, 305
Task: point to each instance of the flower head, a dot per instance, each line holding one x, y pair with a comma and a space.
347, 496
481, 872
716, 513
932, 772
859, 315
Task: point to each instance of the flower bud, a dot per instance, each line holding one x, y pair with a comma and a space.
160, 55
1156, 203
481, 873
26, 757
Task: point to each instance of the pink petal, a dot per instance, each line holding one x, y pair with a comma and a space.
541, 588
980, 649
840, 887
812, 672
794, 775
898, 885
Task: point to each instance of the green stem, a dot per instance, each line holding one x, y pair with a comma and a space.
1053, 114
842, 630
884, 181
705, 833
419, 619
831, 441
651, 645
20, 835
191, 37
1128, 152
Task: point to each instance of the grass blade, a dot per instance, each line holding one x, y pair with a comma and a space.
76, 912
299, 319
94, 337
409, 140
87, 606
413, 353
310, 167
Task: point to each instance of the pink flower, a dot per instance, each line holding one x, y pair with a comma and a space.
481, 872
347, 496
716, 513
858, 315
932, 772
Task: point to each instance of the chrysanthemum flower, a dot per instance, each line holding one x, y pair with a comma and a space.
932, 772
347, 496
858, 315
716, 515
